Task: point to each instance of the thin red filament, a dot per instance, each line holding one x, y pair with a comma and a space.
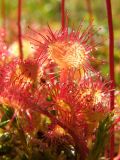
63, 13
20, 30
111, 65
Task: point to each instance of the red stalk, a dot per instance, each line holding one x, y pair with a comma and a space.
111, 65
89, 8
63, 14
3, 15
19, 30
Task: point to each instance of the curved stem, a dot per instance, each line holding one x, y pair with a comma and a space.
111, 64
63, 14
19, 29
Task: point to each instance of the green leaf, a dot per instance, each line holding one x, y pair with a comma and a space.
4, 123
5, 137
8, 113
49, 98
53, 112
5, 149
102, 137
24, 157
48, 155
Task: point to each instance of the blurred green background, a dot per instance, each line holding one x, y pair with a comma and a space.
37, 13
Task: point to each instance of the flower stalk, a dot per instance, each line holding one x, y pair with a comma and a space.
20, 30
89, 8
111, 65
3, 15
63, 13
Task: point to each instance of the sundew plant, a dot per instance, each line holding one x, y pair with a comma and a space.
54, 102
